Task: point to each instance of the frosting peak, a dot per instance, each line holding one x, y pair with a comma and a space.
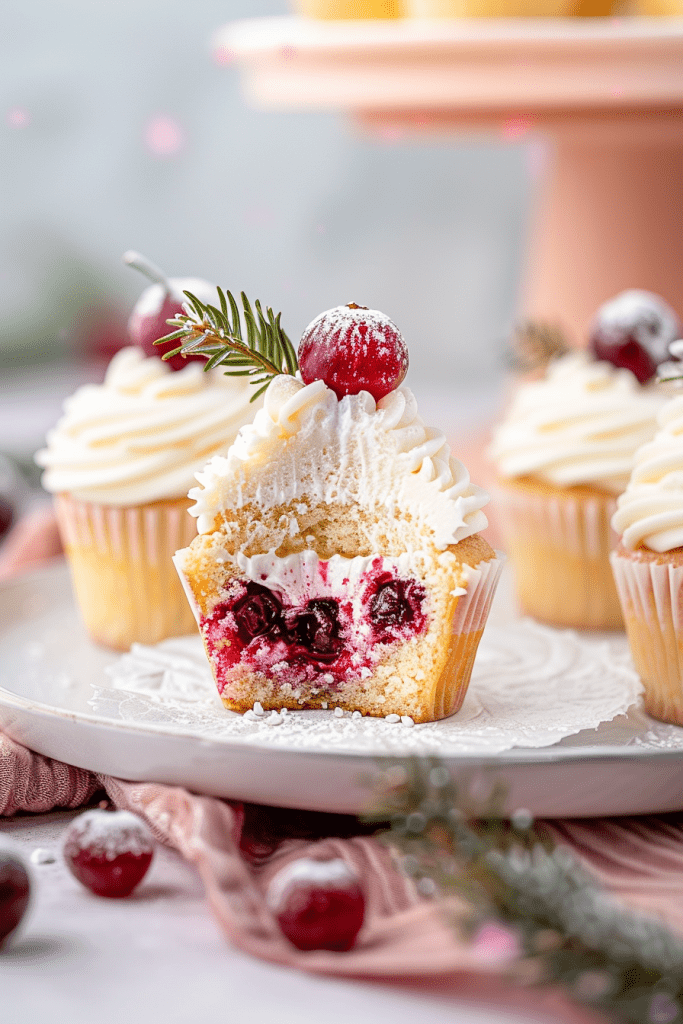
581, 424
142, 434
650, 511
306, 444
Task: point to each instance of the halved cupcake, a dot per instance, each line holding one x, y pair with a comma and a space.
338, 561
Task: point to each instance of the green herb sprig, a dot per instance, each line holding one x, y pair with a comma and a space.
259, 350
568, 929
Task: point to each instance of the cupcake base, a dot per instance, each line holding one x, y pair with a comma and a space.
559, 541
122, 571
650, 587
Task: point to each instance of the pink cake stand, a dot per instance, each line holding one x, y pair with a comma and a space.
608, 94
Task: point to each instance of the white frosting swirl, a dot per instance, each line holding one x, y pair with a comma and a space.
142, 435
650, 511
581, 424
307, 444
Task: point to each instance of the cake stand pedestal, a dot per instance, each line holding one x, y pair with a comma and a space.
606, 93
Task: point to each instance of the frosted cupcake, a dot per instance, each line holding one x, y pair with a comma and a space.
120, 462
338, 561
565, 451
648, 564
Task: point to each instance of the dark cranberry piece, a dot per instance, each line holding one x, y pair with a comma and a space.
318, 904
14, 893
633, 331
317, 630
258, 613
395, 603
353, 348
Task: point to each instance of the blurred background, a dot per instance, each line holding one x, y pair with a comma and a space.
120, 130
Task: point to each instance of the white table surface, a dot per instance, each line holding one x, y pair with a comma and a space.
159, 956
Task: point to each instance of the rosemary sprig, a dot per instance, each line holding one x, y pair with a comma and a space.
261, 350
568, 930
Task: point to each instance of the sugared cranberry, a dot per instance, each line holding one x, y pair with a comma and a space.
352, 349
394, 604
633, 331
109, 852
318, 904
162, 301
15, 891
317, 629
258, 613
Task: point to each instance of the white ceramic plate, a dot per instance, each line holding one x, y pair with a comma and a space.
50, 673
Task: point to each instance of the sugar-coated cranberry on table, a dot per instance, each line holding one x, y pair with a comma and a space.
633, 331
109, 852
353, 349
318, 904
15, 893
163, 300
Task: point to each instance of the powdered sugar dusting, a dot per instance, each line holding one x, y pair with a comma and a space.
353, 348
330, 874
642, 315
108, 834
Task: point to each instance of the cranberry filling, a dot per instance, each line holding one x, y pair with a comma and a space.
331, 634
317, 630
395, 604
258, 613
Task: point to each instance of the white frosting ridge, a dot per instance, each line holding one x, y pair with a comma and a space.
307, 445
650, 511
581, 424
142, 435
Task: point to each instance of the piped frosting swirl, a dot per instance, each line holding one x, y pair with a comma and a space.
650, 511
581, 424
142, 435
308, 445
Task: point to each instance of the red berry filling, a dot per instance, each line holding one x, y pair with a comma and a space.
330, 631
352, 349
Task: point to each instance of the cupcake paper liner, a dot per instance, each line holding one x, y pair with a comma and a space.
652, 600
122, 569
559, 546
470, 617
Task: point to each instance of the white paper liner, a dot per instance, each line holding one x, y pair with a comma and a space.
651, 595
122, 569
580, 525
473, 608
559, 547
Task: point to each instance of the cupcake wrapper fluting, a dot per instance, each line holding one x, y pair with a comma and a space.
651, 597
122, 569
559, 546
